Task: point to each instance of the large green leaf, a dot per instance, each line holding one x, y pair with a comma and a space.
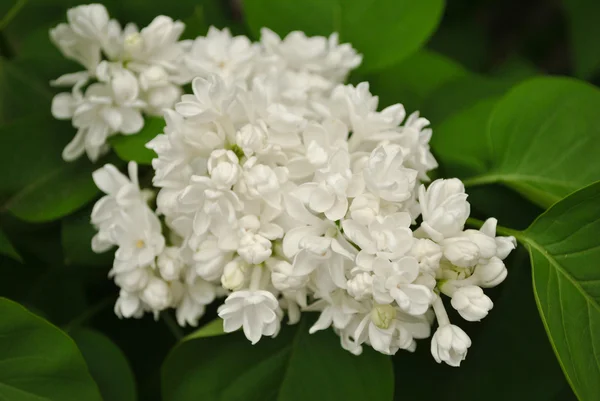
384, 31
413, 80
294, 366
460, 94
21, 93
39, 362
39, 185
582, 16
564, 244
107, 364
133, 147
55, 193
542, 136
460, 141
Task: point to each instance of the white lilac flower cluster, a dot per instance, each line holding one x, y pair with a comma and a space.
284, 190
133, 72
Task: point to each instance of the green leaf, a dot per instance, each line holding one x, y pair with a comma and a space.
40, 186
55, 194
542, 136
582, 16
460, 94
565, 248
39, 361
384, 31
413, 80
211, 329
133, 147
460, 143
21, 93
6, 248
76, 237
293, 366
107, 365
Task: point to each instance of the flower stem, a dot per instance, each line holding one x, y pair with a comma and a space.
89, 313
440, 312
12, 13
255, 278
172, 325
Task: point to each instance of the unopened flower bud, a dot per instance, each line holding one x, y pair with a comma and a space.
251, 138
486, 244
461, 252
491, 273
169, 264
223, 167
427, 253
157, 294
234, 275
383, 315
282, 276
361, 285
472, 304
133, 280
364, 208
450, 344
254, 248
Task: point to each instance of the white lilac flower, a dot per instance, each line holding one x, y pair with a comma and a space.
395, 281
388, 236
105, 108
449, 342
231, 57
386, 177
470, 301
444, 207
254, 311
141, 73
277, 188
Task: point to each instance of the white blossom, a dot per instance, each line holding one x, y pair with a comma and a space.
472, 304
254, 311
450, 344
385, 175
444, 207
277, 188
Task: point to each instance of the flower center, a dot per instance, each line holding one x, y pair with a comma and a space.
382, 315
139, 244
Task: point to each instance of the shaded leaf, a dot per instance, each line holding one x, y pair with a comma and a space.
107, 365
6, 248
40, 186
293, 366
582, 16
413, 80
55, 194
39, 361
76, 237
